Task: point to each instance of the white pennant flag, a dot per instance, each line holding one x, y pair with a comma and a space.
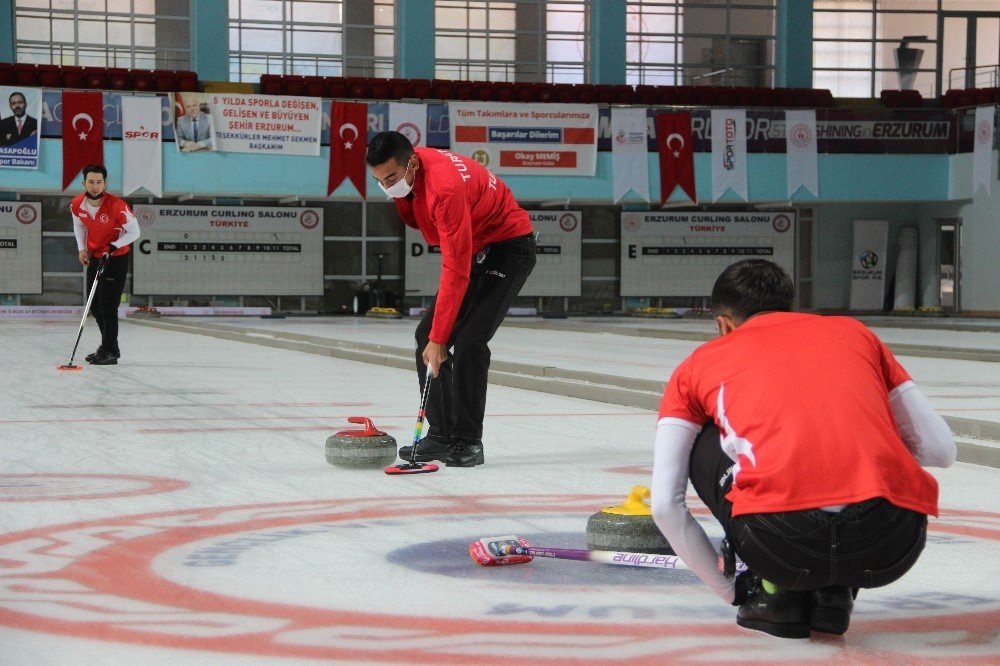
729, 152
142, 136
629, 152
409, 120
982, 150
801, 162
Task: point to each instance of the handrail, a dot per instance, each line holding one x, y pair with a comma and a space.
992, 72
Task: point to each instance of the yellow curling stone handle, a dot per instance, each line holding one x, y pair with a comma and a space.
634, 504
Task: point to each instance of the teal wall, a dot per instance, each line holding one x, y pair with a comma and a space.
415, 44
842, 177
210, 39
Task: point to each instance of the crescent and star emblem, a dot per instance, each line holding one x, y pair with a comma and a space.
90, 124
349, 127
677, 151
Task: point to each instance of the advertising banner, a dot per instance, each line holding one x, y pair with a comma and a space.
19, 127
729, 153
20, 247
629, 157
802, 163
682, 254
535, 139
228, 251
871, 239
410, 120
557, 272
266, 124
142, 136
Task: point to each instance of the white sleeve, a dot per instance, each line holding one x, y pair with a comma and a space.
924, 432
80, 231
671, 458
130, 231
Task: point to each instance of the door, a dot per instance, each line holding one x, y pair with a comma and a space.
949, 235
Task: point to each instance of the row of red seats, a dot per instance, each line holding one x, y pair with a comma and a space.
580, 93
970, 97
902, 99
97, 78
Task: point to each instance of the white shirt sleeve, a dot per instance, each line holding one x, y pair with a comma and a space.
80, 231
924, 432
671, 459
130, 231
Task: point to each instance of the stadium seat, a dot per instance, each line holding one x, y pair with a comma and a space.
420, 88
525, 91
163, 80
49, 76
72, 76
25, 74
336, 87
95, 78
186, 81
6, 73
295, 85
379, 88
358, 87
442, 89
270, 84
119, 79
315, 86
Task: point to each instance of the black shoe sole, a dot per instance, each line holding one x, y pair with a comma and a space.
829, 620
112, 361
421, 457
465, 463
779, 630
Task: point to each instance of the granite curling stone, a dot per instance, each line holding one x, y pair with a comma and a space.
369, 448
627, 527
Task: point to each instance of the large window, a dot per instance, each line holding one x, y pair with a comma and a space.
517, 40
689, 42
862, 47
311, 37
143, 34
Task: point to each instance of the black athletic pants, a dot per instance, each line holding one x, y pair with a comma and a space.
868, 544
456, 401
108, 297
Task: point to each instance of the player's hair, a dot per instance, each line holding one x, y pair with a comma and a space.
387, 145
750, 287
94, 168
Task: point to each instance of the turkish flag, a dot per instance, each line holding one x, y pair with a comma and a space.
82, 132
348, 142
673, 138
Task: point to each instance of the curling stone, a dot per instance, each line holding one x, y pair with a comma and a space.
369, 448
627, 527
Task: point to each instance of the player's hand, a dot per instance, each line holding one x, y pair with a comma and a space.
434, 355
85, 257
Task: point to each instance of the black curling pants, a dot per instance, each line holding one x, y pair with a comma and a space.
456, 401
108, 297
868, 544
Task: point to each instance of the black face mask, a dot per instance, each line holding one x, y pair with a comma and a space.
92, 197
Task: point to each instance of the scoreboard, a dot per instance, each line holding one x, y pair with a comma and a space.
20, 248
682, 254
229, 250
557, 270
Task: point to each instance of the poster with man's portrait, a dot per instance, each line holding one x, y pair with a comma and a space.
20, 109
193, 127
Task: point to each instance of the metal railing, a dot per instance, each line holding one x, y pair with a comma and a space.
983, 76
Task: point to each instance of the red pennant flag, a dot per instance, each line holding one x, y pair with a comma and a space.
82, 132
348, 142
673, 137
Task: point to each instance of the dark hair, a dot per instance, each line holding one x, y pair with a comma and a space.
750, 287
16, 92
387, 145
94, 168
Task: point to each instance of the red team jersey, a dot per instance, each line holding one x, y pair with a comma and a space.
106, 226
462, 207
802, 405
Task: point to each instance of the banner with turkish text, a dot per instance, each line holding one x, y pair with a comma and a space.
265, 124
982, 150
729, 153
348, 142
19, 132
142, 137
629, 157
410, 120
676, 148
527, 139
801, 163
82, 132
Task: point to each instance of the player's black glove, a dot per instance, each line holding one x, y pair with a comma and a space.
111, 250
744, 586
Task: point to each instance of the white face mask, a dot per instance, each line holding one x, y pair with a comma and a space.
400, 188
